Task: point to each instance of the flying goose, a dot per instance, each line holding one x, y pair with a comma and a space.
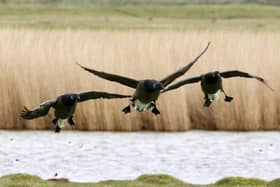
65, 106
147, 91
211, 84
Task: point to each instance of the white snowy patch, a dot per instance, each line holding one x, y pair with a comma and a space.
196, 156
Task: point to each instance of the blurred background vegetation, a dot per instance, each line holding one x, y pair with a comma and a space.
272, 2
141, 14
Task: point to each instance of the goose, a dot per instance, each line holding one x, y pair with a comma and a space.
65, 106
211, 84
146, 91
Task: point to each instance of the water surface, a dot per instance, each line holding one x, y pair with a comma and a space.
195, 156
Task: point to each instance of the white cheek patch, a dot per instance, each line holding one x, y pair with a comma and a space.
215, 96
61, 122
140, 107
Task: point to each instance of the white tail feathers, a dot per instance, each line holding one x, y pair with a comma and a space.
140, 107
61, 122
215, 96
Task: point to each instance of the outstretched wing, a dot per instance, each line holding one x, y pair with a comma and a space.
39, 111
97, 95
236, 73
111, 77
181, 83
170, 78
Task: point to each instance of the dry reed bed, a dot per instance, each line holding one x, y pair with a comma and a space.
40, 65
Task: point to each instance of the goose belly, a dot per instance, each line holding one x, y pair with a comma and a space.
214, 96
61, 122
140, 106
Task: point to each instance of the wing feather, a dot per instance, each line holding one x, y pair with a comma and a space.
38, 111
170, 78
236, 73
183, 82
112, 77
97, 95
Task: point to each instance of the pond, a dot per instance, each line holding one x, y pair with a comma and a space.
197, 157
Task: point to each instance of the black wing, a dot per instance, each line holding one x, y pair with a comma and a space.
111, 77
96, 95
170, 78
236, 73
181, 83
39, 111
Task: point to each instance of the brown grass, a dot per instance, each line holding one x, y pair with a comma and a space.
40, 65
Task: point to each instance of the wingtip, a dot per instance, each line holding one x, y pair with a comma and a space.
25, 108
79, 64
208, 44
267, 85
270, 87
24, 112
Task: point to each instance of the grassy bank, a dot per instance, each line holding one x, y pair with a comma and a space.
165, 2
144, 180
40, 65
143, 16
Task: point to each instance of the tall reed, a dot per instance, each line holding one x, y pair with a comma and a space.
40, 65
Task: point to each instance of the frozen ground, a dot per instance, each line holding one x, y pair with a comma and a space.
197, 156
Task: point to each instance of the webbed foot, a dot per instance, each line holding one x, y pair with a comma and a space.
228, 99
54, 121
207, 103
57, 129
155, 111
126, 109
70, 121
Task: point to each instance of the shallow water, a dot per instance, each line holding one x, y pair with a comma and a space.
195, 156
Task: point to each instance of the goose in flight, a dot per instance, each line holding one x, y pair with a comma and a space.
211, 84
65, 106
147, 91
